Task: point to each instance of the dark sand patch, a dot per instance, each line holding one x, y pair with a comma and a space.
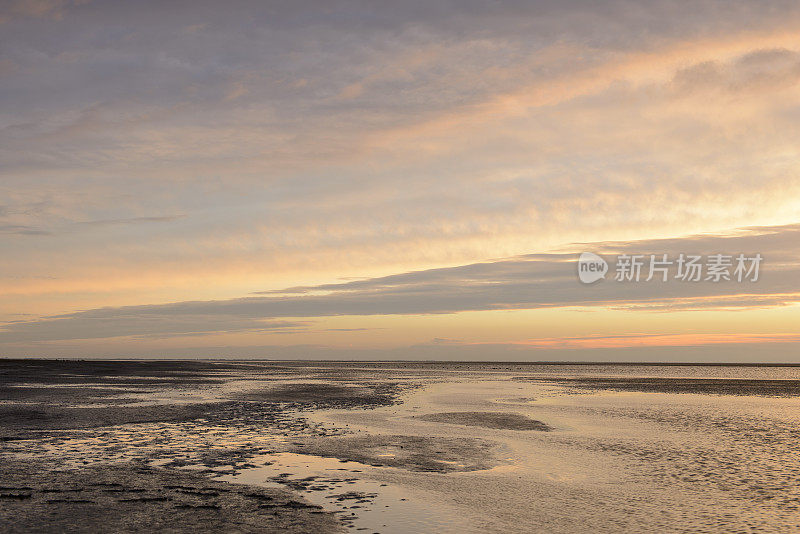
156, 372
327, 395
416, 453
21, 420
74, 395
718, 386
35, 406
136, 498
498, 420
37, 409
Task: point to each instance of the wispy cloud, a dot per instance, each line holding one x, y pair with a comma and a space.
18, 229
131, 220
36, 8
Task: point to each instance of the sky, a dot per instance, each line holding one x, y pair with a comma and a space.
396, 180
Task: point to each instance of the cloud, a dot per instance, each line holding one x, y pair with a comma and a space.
17, 229
528, 282
36, 8
152, 325
131, 220
769, 69
308, 141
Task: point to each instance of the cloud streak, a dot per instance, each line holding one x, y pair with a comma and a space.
534, 281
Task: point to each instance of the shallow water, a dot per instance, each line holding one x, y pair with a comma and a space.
362, 504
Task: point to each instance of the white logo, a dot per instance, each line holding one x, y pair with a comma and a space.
591, 267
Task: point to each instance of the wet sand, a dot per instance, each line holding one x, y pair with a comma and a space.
396, 447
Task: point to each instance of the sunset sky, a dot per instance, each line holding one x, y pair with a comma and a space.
405, 180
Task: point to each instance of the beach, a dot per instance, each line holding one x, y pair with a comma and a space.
272, 446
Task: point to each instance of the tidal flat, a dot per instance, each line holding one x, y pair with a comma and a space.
273, 446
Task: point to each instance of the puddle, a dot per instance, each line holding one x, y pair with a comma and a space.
362, 505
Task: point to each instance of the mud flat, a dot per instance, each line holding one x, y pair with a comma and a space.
718, 386
415, 453
396, 448
496, 420
20, 422
138, 498
103, 447
326, 395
